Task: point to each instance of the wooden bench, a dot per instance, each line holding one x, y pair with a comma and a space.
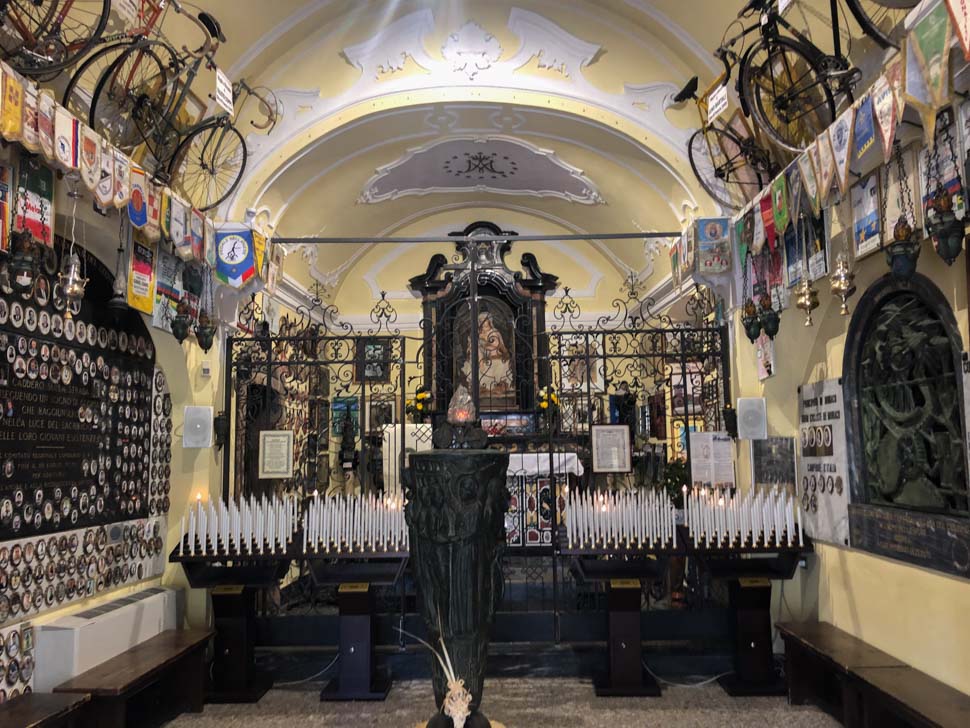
163, 674
44, 710
860, 685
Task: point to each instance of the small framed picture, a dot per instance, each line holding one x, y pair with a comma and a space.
373, 360
275, 454
380, 412
611, 449
865, 197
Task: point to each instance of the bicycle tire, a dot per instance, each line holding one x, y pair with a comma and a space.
176, 175
37, 26
72, 102
721, 193
792, 142
30, 67
870, 22
113, 123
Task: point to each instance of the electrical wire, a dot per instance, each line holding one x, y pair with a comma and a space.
313, 676
700, 684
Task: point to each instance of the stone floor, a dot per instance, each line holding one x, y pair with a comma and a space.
518, 703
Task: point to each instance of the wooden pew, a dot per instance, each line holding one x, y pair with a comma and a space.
168, 670
862, 686
44, 710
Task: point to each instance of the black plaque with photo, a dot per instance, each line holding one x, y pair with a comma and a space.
373, 360
77, 405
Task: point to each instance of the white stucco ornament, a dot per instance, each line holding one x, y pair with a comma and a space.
471, 49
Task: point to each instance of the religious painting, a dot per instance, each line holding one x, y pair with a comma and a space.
342, 408
581, 364
508, 424
773, 462
496, 354
380, 413
373, 360
575, 410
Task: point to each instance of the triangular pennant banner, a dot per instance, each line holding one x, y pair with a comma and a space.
884, 105
864, 129
930, 41
758, 228
960, 15
840, 137
825, 166
809, 183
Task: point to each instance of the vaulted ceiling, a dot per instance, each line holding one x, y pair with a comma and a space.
418, 116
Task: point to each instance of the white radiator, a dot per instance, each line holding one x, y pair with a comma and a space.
71, 645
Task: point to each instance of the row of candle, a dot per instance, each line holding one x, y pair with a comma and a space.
634, 519
354, 524
251, 526
765, 517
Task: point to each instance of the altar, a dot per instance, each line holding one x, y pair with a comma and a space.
530, 520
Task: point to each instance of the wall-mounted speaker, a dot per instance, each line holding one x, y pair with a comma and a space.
752, 418
197, 428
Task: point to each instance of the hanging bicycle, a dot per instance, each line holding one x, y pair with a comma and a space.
40, 38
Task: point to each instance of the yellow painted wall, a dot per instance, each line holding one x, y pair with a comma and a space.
914, 614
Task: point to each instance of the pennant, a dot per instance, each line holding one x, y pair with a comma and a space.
768, 218
235, 256
35, 194
674, 263
153, 227
197, 234
825, 167
960, 17
138, 204
864, 129
6, 189
259, 252
894, 72
840, 137
273, 268
779, 202
809, 183
122, 180
104, 192
65, 139
29, 135
12, 112
793, 177
46, 108
209, 236
793, 256
165, 214
90, 157
930, 40
178, 227
758, 227
884, 107
168, 290
141, 275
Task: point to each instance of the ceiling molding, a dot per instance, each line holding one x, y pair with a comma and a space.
493, 163
388, 51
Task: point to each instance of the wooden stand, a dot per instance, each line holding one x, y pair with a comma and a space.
754, 666
626, 676
235, 678
359, 677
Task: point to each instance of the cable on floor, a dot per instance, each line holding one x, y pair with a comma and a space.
308, 679
700, 684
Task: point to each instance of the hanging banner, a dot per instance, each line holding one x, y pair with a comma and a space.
153, 227
29, 135
168, 290
930, 40
758, 229
793, 178
165, 212
825, 168
104, 191
259, 253
768, 219
12, 111
960, 17
235, 257
895, 73
809, 183
197, 234
90, 157
917, 93
65, 139
864, 129
209, 235
141, 276
178, 227
840, 137
884, 106
793, 256
122, 175
34, 210
138, 204
779, 202
6, 190
46, 108
274, 267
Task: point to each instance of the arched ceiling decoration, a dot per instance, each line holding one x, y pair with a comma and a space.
396, 112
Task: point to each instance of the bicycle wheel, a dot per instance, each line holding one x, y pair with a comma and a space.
209, 164
882, 20
786, 92
129, 105
68, 31
732, 171
80, 89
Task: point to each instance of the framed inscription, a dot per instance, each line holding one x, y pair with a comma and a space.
275, 454
611, 449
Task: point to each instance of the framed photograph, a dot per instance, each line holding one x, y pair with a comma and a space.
817, 233
497, 425
864, 197
380, 412
581, 366
275, 454
575, 410
373, 360
341, 409
891, 187
611, 449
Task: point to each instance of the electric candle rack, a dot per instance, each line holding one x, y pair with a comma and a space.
630, 522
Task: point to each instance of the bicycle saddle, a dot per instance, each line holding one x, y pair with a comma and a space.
689, 91
753, 5
212, 25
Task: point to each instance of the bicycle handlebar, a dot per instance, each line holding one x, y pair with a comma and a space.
268, 109
209, 46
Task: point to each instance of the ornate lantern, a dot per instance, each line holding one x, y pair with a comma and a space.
806, 298
942, 224
903, 252
843, 282
750, 321
205, 331
770, 320
71, 281
182, 321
